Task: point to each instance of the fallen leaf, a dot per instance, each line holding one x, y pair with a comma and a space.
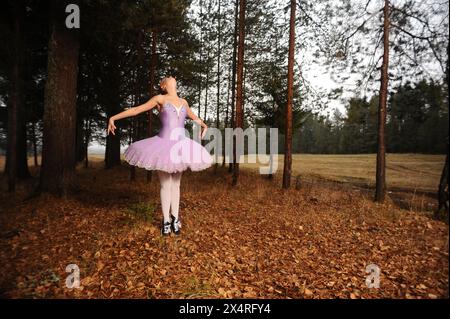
308, 292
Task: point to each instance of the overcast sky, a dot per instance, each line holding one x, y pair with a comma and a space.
321, 79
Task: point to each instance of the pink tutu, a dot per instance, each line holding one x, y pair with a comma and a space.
170, 151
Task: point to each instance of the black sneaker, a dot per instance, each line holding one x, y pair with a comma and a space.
176, 225
165, 229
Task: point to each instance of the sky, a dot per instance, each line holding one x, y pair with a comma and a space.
321, 79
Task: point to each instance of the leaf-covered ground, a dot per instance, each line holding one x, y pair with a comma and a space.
251, 241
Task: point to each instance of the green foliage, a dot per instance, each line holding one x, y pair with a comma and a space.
142, 210
418, 119
417, 123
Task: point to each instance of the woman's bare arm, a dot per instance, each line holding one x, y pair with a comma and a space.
133, 111
195, 118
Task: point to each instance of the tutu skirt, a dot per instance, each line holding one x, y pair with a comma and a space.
157, 153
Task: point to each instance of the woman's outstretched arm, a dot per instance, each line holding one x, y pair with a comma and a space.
196, 119
133, 111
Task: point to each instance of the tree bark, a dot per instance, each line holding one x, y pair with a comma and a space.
207, 87
239, 91
112, 157
443, 196
87, 137
22, 150
80, 134
17, 93
34, 141
58, 152
226, 119
201, 60
380, 192
287, 170
135, 122
15, 98
153, 64
233, 78
216, 165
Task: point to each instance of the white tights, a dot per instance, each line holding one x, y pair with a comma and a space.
170, 193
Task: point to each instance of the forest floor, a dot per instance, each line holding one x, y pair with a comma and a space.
254, 240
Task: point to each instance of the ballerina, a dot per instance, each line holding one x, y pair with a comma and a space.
170, 152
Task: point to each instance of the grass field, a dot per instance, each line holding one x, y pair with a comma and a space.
405, 171
411, 172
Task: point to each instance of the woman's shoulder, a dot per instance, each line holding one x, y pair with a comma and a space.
160, 98
160, 101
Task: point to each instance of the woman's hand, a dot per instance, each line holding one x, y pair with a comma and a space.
111, 126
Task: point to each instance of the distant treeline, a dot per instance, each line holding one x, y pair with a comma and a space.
417, 122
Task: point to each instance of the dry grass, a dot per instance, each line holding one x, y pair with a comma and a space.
405, 171
411, 172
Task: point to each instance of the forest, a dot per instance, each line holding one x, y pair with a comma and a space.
357, 89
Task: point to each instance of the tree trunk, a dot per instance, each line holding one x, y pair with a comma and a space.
80, 137
201, 61
226, 119
153, 64
112, 157
58, 151
380, 192
19, 151
216, 165
287, 170
208, 13
443, 196
207, 87
134, 134
34, 141
15, 96
239, 93
22, 151
87, 137
135, 122
233, 78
